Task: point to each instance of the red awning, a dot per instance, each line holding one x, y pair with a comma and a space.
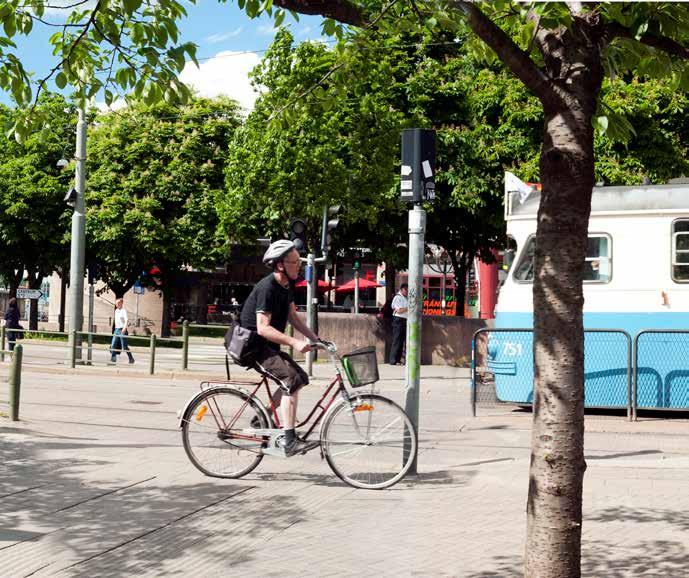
348, 287
322, 285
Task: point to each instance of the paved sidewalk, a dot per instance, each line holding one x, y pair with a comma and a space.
95, 483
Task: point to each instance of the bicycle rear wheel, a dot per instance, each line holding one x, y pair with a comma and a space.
213, 437
369, 442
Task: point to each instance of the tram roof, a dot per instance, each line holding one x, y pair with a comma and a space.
651, 198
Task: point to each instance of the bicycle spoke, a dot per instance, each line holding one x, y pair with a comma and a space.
373, 452
212, 447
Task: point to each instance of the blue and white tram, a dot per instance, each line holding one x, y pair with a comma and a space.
637, 278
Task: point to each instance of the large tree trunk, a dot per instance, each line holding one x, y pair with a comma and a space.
35, 278
461, 265
554, 509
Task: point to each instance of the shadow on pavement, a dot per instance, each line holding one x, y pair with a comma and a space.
56, 516
642, 516
657, 559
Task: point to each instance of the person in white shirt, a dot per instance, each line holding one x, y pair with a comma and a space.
399, 325
119, 341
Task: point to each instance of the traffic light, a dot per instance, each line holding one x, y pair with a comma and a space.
93, 270
297, 234
356, 265
338, 271
418, 165
331, 220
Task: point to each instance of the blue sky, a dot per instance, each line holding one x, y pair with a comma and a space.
229, 43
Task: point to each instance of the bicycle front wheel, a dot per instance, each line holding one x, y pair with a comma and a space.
369, 442
214, 436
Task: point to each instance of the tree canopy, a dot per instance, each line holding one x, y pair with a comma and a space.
154, 176
34, 220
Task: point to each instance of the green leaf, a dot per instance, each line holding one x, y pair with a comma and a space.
10, 25
61, 80
600, 123
131, 5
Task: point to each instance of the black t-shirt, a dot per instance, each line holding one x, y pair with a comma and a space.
268, 296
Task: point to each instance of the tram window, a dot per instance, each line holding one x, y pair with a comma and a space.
680, 251
597, 269
524, 269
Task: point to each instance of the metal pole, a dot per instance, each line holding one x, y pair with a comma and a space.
137, 310
310, 313
15, 381
417, 230
3, 336
442, 294
89, 356
356, 291
185, 344
152, 357
76, 271
324, 231
73, 349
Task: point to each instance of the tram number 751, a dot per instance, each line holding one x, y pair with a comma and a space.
510, 349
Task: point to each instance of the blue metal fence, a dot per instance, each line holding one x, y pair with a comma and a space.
503, 371
661, 369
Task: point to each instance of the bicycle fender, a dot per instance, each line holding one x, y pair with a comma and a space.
334, 406
182, 413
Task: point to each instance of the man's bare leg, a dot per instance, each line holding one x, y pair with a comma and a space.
288, 410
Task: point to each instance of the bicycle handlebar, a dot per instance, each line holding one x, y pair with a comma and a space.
326, 345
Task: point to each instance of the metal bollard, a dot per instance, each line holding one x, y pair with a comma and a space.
73, 349
15, 381
185, 344
2, 342
152, 357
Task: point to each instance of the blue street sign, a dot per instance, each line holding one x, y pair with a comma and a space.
308, 273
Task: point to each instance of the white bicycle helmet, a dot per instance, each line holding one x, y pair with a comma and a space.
277, 250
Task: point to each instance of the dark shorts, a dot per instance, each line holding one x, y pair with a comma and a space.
282, 368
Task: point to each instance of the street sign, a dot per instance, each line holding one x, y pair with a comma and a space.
23, 293
139, 290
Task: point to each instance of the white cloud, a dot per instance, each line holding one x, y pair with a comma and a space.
266, 29
227, 73
117, 104
215, 38
61, 9
305, 31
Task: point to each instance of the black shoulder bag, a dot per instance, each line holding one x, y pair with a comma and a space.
241, 344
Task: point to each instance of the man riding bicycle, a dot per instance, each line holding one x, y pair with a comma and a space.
266, 311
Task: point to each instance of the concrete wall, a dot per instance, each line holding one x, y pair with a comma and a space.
446, 340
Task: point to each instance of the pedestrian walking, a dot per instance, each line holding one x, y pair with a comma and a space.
12, 322
119, 339
400, 307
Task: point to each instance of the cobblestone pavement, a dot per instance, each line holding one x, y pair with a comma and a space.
94, 482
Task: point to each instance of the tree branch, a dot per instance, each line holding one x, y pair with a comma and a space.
343, 11
518, 61
334, 69
668, 45
87, 26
